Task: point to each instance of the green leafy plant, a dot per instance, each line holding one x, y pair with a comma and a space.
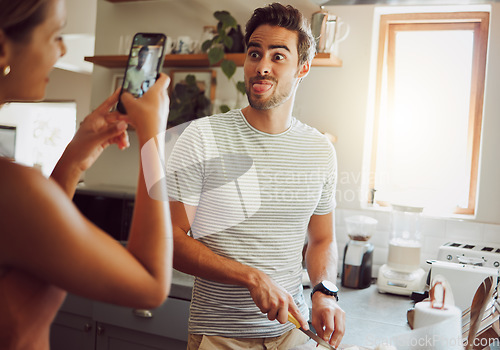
227, 31
188, 102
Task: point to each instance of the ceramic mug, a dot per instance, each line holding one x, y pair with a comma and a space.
169, 45
340, 34
342, 31
124, 44
184, 45
329, 30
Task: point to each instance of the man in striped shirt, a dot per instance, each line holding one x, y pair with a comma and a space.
247, 189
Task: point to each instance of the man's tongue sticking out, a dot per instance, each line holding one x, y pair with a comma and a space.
262, 86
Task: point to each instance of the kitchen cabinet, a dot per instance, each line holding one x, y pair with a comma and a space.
110, 337
201, 60
83, 324
110, 211
169, 320
74, 327
70, 331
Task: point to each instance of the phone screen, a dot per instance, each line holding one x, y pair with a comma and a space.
145, 61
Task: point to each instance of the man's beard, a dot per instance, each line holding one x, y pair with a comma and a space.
277, 99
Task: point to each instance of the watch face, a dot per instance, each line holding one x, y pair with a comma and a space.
330, 286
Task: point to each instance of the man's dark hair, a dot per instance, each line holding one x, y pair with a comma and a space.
287, 17
143, 50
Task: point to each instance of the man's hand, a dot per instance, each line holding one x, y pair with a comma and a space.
328, 319
274, 300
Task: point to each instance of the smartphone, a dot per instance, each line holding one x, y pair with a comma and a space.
144, 63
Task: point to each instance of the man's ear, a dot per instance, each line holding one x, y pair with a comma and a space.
304, 69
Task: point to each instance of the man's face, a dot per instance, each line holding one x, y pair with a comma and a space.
271, 67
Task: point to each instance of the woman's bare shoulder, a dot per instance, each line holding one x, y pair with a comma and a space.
34, 209
21, 188
16, 178
26, 195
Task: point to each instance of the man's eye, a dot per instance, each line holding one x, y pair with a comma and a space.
279, 57
253, 54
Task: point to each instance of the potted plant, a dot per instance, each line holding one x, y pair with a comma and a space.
187, 102
227, 39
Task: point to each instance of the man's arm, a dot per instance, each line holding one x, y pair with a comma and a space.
193, 257
321, 260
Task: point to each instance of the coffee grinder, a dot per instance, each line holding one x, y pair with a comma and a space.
358, 252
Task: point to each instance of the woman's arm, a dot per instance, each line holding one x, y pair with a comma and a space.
99, 129
45, 235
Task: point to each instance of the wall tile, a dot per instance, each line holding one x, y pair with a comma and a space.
380, 238
492, 233
464, 231
430, 247
435, 232
433, 227
339, 217
380, 255
384, 220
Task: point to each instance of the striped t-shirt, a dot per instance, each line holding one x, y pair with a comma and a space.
255, 193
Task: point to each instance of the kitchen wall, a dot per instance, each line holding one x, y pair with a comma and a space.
71, 86
334, 100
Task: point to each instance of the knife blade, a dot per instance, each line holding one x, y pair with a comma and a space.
310, 333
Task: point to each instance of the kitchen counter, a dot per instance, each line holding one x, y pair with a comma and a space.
371, 317
182, 285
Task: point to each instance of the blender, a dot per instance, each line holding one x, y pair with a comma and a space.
402, 274
358, 252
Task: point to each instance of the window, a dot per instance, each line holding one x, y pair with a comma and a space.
428, 109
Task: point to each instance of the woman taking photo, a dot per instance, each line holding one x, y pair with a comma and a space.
47, 248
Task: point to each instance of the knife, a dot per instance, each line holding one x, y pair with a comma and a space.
309, 333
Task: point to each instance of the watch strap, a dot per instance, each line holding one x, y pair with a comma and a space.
320, 287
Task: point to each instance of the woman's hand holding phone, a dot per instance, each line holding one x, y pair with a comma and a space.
148, 114
98, 130
145, 61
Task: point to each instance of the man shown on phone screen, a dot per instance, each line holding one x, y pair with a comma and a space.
247, 188
136, 77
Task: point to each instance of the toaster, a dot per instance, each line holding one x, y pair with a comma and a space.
465, 266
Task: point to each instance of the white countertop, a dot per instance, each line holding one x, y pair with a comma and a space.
371, 317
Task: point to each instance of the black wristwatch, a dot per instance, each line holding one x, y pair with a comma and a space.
326, 287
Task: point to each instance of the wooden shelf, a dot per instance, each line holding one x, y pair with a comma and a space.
125, 0
201, 60
326, 60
